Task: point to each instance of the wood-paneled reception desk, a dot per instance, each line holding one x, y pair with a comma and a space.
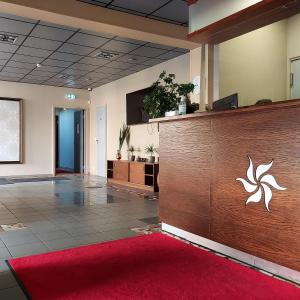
208, 156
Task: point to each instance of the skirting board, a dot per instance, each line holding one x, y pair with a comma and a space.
239, 255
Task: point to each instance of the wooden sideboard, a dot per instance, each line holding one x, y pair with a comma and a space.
206, 153
133, 174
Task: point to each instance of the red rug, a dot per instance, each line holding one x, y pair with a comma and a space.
152, 267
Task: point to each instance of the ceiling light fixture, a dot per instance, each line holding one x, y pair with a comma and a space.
8, 38
38, 65
106, 54
132, 59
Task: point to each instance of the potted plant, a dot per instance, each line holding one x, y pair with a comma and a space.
165, 96
163, 100
150, 149
131, 149
123, 135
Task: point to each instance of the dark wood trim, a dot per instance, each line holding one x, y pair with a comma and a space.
21, 146
244, 109
251, 18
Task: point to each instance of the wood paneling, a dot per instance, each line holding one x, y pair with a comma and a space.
121, 170
137, 171
200, 159
256, 16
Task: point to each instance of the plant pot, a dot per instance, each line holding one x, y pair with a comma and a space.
171, 113
152, 159
118, 155
132, 158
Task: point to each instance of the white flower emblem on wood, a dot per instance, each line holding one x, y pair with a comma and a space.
260, 183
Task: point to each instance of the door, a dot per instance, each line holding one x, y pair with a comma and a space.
79, 141
295, 79
100, 140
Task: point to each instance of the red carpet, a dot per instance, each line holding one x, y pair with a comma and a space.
146, 267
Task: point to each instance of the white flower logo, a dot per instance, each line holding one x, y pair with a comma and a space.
260, 183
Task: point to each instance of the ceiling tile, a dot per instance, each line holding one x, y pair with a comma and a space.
159, 46
8, 47
41, 43
137, 42
107, 70
51, 69
3, 62
11, 75
97, 2
176, 10
51, 33
64, 27
56, 63
118, 46
15, 70
32, 81
148, 51
118, 8
87, 40
100, 34
98, 75
39, 77
94, 61
38, 72
17, 27
119, 65
153, 61
74, 72
26, 58
133, 59
65, 56
84, 67
127, 72
115, 77
4, 55
145, 7
169, 55
20, 39
75, 49
21, 65
138, 67
34, 52
181, 50
13, 17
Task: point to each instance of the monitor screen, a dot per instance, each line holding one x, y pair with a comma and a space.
135, 107
228, 102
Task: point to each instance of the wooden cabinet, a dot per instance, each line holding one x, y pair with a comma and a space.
133, 174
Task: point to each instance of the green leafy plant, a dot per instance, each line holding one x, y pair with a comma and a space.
123, 135
165, 95
150, 149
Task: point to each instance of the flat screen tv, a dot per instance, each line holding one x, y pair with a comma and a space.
229, 102
135, 112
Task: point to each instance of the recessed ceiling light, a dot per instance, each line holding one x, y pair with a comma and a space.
106, 54
38, 65
132, 59
90, 89
8, 38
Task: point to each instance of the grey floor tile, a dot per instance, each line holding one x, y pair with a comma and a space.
7, 280
18, 237
58, 244
52, 235
4, 253
14, 293
28, 249
3, 266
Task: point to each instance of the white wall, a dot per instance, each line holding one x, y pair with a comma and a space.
206, 12
113, 95
39, 103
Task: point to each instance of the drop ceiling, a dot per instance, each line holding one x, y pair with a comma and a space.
170, 11
72, 57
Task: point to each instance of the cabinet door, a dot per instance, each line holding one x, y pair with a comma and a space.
137, 173
121, 170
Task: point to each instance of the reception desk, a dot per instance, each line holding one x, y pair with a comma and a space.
206, 160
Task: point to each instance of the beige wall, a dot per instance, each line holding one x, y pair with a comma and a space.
113, 95
39, 102
254, 65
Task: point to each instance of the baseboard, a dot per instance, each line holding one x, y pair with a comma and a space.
239, 255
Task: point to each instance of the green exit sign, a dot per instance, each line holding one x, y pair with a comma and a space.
70, 96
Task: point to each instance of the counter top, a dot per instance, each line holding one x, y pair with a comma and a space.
244, 109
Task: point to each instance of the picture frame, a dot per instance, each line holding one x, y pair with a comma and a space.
11, 130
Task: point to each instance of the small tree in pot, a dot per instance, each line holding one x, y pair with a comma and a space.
150, 149
123, 135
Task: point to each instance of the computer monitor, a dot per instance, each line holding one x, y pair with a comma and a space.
229, 102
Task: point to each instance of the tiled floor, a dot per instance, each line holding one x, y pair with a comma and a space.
64, 214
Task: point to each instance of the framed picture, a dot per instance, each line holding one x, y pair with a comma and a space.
10, 131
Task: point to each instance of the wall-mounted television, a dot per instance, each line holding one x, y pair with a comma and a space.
135, 112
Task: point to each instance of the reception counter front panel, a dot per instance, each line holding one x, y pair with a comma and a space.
207, 177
